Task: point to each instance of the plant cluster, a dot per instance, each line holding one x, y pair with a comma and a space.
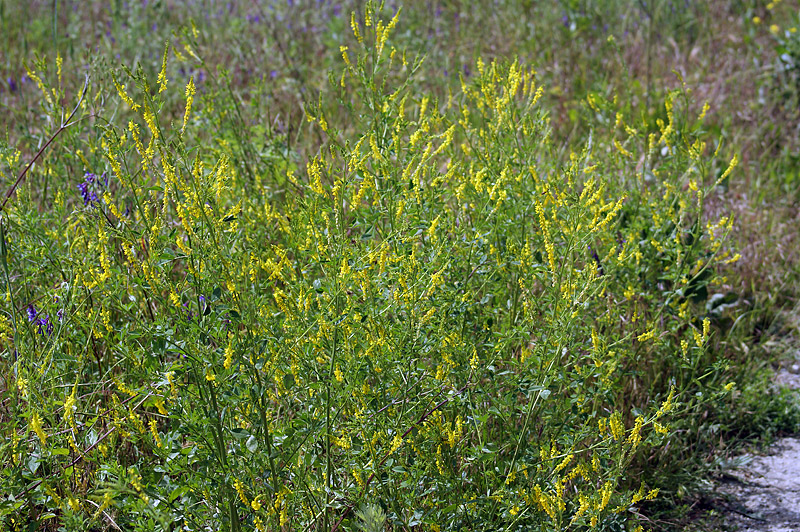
430, 316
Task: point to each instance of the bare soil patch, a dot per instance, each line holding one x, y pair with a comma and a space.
765, 491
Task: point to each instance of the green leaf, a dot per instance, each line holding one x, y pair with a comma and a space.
252, 444
239, 433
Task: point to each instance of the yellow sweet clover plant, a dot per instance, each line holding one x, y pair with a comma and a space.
429, 312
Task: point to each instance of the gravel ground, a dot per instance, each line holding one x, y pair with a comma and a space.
766, 490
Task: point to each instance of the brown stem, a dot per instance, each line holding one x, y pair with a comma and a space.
64, 125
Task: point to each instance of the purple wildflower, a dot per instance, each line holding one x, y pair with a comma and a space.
31, 312
88, 195
45, 326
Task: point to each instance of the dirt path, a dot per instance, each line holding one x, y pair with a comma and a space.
766, 490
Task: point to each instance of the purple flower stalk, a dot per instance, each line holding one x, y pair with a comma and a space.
88, 195
45, 326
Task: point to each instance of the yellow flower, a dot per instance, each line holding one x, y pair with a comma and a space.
154, 432
36, 426
162, 76
617, 428
190, 91
397, 441
756, 20
237, 484
564, 463
635, 437
605, 493
774, 29
228, 356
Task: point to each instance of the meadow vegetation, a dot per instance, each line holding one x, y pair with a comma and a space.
355, 266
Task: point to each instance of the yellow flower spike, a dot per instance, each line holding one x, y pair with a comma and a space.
646, 335
634, 438
706, 107
667, 405
39, 83
734, 162
36, 426
585, 504
397, 442
617, 428
605, 495
69, 407
124, 95
733, 259
162, 75
107, 501
190, 92
228, 356
622, 150
59, 63
564, 463
315, 176
154, 432
188, 49
639, 495
354, 27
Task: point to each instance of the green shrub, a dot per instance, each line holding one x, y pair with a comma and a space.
431, 315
